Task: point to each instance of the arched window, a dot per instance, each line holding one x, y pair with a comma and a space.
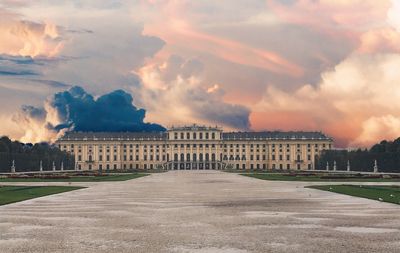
194, 157
182, 157
175, 157
201, 157
237, 158
225, 157
213, 136
207, 157
213, 157
188, 157
231, 158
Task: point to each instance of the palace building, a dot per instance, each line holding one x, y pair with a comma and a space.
195, 148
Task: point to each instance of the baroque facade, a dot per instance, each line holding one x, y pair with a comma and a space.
195, 148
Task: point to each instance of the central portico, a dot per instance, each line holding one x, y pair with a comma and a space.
195, 148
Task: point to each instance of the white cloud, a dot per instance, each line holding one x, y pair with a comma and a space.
394, 15
174, 93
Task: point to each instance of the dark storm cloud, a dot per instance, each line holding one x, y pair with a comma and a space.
111, 112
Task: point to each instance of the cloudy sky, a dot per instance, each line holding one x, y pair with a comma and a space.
329, 65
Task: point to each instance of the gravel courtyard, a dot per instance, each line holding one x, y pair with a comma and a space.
200, 212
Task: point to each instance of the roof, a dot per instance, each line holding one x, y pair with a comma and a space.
195, 128
114, 136
271, 135
275, 135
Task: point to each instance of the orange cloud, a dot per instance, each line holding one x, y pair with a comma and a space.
380, 40
24, 38
353, 102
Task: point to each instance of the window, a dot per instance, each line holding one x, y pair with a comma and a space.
115, 157
182, 136
273, 157
288, 157
100, 158
188, 135
200, 136
213, 136
79, 158
194, 136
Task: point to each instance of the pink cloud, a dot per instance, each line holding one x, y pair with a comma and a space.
178, 31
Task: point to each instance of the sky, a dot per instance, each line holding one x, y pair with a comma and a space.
245, 65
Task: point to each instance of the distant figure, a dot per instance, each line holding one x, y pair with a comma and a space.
13, 166
376, 166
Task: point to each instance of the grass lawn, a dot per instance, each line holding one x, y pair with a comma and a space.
12, 194
389, 194
316, 178
121, 177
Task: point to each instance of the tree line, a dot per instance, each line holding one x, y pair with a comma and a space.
28, 156
386, 154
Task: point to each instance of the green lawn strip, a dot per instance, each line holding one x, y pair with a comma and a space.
122, 177
12, 194
283, 177
390, 194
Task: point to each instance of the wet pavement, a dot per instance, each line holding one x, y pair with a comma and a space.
200, 212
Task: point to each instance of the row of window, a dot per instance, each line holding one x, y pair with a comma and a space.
194, 146
151, 166
194, 136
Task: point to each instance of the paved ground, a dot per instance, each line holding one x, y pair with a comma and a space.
200, 212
